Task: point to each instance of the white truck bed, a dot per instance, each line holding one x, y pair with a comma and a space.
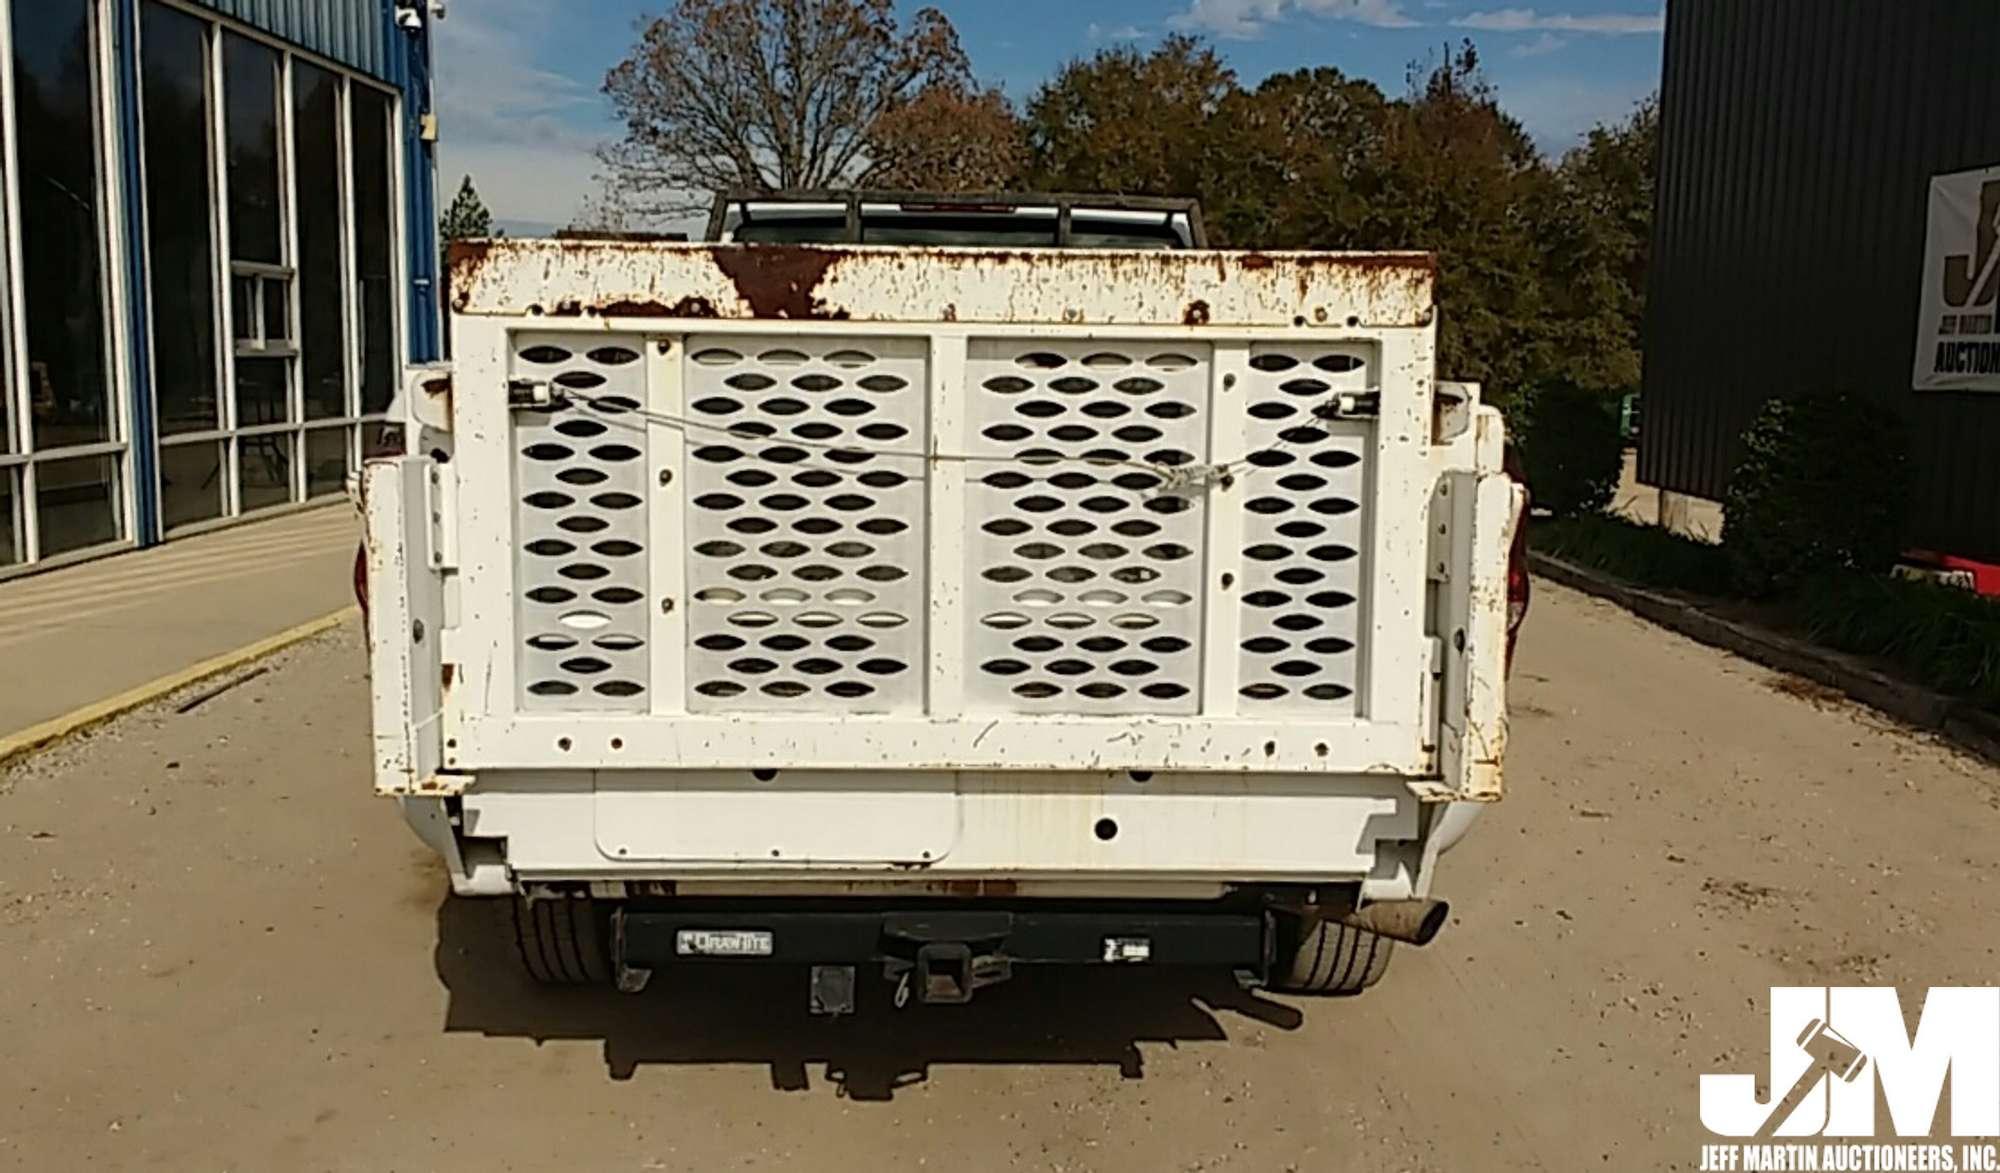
856, 570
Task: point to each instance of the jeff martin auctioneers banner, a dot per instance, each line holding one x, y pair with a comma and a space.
1958, 344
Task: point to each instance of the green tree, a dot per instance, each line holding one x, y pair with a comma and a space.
467, 217
1286, 159
1130, 123
1457, 176
1596, 229
1538, 278
947, 138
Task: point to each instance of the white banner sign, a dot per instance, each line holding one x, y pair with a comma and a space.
1958, 342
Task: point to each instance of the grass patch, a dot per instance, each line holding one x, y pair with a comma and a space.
1947, 639
1642, 554
1944, 639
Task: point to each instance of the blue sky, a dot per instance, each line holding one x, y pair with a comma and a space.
518, 79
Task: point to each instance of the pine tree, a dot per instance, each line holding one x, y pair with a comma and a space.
467, 217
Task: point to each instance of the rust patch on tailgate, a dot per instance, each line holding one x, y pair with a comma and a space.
779, 281
465, 258
686, 307
974, 888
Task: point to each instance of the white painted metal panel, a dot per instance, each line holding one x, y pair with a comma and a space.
789, 817
806, 518
1084, 574
1305, 525
932, 826
1053, 741
580, 532
405, 625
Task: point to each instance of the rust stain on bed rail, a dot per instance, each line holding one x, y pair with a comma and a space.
783, 282
780, 281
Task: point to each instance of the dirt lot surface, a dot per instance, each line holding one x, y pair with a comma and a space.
223, 954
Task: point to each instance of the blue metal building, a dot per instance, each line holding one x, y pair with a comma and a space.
217, 252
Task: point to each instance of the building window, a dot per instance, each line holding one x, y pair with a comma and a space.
268, 205
327, 461
322, 267
261, 278
375, 247
180, 222
61, 478
191, 485
10, 516
264, 462
76, 503
62, 227
250, 115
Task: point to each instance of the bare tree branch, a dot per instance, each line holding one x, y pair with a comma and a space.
765, 94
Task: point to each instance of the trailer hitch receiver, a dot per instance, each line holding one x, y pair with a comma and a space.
946, 973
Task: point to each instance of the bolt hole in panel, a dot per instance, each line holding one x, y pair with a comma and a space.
806, 534
580, 527
1304, 527
1272, 824
1084, 576
781, 817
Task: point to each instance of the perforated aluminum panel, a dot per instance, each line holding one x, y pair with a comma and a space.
1084, 576
807, 531
580, 526
1303, 532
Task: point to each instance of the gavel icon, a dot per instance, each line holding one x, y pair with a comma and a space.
1831, 1055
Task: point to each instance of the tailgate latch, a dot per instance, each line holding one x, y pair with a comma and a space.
1351, 405
530, 393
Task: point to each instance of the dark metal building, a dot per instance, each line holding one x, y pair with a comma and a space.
1799, 139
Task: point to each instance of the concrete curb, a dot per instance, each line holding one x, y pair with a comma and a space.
1968, 727
17, 745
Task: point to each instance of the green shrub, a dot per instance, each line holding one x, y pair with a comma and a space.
1571, 449
1822, 486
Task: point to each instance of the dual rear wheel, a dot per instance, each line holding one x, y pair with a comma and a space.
1330, 958
564, 940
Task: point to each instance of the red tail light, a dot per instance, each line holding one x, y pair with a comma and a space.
1519, 585
361, 578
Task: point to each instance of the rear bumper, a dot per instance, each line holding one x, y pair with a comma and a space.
889, 933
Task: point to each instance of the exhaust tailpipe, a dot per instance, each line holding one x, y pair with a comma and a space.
1414, 922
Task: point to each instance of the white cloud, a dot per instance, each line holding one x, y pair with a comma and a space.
1122, 32
524, 133
1249, 19
1525, 20
1541, 46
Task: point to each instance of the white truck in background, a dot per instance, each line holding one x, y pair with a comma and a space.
937, 586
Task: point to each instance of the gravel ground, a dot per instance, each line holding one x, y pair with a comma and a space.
224, 954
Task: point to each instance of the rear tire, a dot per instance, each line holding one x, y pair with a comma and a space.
564, 940
1332, 958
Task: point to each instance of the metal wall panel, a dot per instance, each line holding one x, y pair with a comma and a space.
352, 32
1798, 141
